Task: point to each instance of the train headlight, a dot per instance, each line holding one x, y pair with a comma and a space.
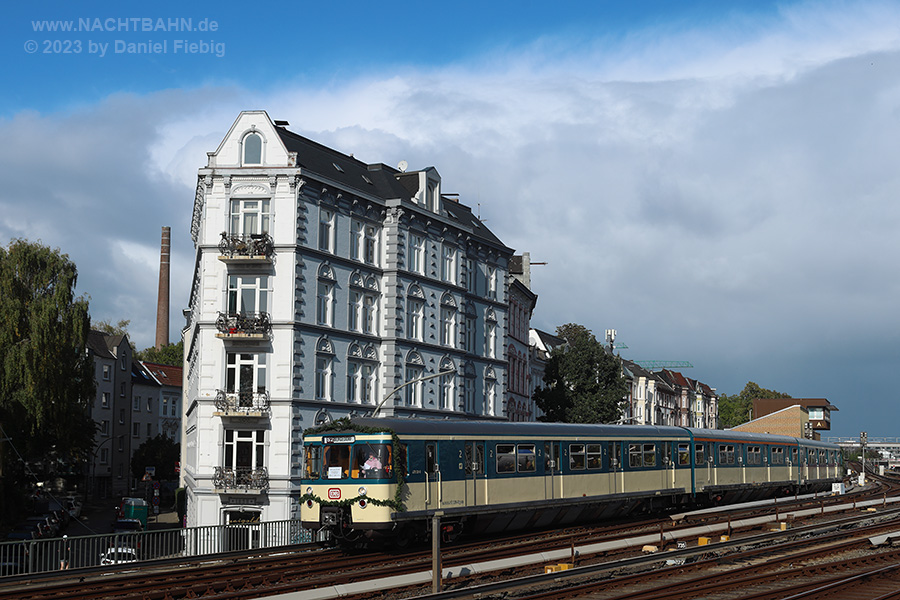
362, 491
309, 491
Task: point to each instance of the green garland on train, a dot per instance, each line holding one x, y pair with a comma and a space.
345, 424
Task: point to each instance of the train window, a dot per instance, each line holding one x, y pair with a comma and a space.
794, 456
576, 457
506, 458
649, 455
684, 455
525, 458
430, 463
337, 460
822, 460
754, 455
313, 461
726, 454
777, 456
634, 455
594, 456
372, 461
699, 454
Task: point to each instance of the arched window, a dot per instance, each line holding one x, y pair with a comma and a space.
325, 296
490, 392
415, 313
364, 301
362, 374
415, 369
490, 334
324, 370
448, 321
252, 149
448, 384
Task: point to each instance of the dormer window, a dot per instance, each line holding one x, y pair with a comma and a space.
253, 149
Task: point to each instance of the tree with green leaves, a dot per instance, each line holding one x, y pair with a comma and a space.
734, 410
160, 452
583, 382
46, 375
170, 354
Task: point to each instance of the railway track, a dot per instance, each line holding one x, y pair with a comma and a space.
260, 574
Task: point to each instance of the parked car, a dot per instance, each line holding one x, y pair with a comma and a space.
117, 556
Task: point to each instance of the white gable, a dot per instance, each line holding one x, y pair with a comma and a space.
230, 153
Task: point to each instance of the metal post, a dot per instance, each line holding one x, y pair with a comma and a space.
436, 552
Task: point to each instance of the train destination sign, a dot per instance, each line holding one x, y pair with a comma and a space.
339, 439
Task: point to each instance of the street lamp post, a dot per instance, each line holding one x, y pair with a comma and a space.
410, 382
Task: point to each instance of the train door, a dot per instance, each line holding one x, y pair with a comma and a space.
668, 466
552, 477
616, 470
476, 479
432, 476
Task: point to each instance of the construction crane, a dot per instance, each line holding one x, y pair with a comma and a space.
655, 365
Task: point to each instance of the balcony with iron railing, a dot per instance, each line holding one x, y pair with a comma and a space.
243, 326
244, 249
247, 480
242, 404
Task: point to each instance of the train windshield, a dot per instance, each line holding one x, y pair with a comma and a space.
372, 461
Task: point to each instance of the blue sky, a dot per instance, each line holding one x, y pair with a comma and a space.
719, 178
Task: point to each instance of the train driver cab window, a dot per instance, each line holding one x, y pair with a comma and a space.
313, 461
506, 458
576, 457
594, 456
525, 458
684, 455
337, 461
372, 461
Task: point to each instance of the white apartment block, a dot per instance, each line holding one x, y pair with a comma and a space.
325, 287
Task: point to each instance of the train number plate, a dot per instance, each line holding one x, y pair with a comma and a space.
334, 493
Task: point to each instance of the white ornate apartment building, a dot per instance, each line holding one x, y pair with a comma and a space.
322, 286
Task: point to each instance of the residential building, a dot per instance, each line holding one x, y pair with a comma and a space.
325, 287
668, 398
169, 379
521, 306
109, 467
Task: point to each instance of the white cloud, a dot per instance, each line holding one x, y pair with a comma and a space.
725, 196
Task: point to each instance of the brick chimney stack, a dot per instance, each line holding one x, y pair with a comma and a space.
162, 304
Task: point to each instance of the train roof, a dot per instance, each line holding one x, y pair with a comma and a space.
495, 429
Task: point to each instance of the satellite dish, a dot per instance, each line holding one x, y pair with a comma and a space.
403, 166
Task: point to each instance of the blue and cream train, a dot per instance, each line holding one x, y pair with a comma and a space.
376, 477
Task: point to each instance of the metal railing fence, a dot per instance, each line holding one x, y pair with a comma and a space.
42, 555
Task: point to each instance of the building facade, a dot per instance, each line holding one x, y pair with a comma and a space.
520, 405
325, 287
109, 468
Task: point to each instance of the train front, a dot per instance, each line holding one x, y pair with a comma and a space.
349, 485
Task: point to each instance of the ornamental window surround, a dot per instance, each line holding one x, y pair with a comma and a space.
415, 300
326, 230
415, 369
362, 374
324, 370
325, 296
448, 264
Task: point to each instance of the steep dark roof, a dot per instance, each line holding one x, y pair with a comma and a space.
103, 344
549, 340
140, 375
377, 179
